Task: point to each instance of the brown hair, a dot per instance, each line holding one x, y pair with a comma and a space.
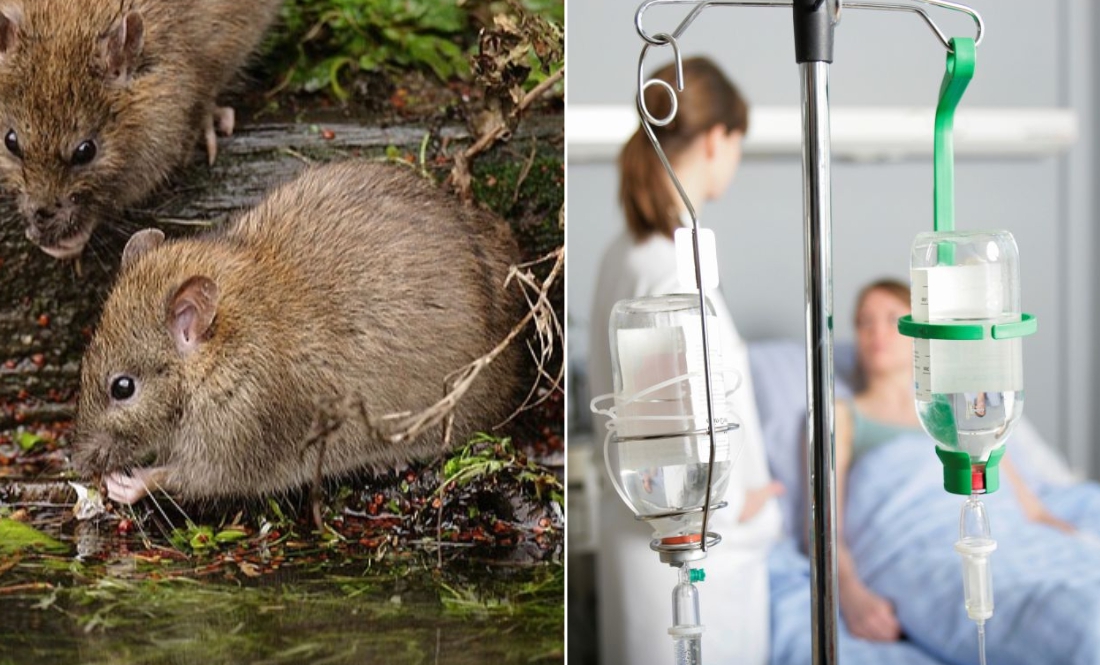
890, 286
708, 99
894, 287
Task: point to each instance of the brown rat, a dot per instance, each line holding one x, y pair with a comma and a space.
102, 99
212, 353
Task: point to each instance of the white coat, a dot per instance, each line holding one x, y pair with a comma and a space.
635, 588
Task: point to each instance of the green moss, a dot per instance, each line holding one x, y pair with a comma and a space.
320, 43
542, 189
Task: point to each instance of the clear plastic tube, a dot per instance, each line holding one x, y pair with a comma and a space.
981, 643
686, 631
974, 546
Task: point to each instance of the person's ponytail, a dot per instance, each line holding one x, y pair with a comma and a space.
644, 191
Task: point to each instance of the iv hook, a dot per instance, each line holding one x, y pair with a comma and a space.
663, 38
649, 121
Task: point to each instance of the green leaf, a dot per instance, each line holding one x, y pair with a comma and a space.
445, 17
368, 62
201, 538
229, 536
28, 440
16, 536
335, 65
425, 52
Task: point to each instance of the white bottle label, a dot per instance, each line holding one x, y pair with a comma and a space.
922, 368
922, 354
685, 259
918, 299
960, 293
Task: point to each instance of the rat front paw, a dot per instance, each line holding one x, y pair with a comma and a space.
222, 120
132, 488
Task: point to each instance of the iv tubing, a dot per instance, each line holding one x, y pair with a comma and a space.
686, 630
612, 413
975, 545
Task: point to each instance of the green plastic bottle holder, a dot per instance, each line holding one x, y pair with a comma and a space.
959, 471
968, 332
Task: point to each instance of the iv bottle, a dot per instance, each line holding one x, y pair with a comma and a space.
658, 452
968, 372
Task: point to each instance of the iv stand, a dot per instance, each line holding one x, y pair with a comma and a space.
813, 34
814, 25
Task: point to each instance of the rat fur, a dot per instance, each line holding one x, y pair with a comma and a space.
356, 279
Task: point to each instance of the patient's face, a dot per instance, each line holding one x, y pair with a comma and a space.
882, 349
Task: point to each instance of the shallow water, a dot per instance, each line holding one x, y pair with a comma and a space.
374, 618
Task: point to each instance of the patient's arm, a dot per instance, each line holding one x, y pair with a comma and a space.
1032, 506
866, 614
756, 499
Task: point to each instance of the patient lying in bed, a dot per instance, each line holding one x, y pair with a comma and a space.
899, 574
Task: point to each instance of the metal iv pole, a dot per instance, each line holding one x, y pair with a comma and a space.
814, 26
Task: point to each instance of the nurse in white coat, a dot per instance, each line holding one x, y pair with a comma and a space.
703, 144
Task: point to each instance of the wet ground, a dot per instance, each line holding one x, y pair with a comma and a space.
453, 561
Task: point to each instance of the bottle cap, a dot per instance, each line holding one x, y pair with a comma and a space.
962, 476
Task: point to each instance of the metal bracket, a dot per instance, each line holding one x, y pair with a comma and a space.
835, 9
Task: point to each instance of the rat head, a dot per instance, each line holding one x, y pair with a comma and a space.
68, 82
134, 378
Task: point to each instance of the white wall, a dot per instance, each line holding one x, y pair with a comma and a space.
1034, 55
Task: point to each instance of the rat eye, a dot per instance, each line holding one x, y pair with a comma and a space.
84, 153
123, 388
11, 142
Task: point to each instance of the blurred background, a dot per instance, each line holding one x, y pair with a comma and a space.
1025, 150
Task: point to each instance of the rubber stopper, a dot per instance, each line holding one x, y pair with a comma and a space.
977, 479
682, 540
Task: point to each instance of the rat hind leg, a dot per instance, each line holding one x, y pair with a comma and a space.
220, 120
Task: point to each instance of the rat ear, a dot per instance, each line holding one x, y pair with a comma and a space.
140, 243
122, 47
10, 19
191, 312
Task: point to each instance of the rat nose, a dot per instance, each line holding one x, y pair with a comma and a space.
43, 215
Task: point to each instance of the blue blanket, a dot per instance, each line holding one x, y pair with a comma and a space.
901, 527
